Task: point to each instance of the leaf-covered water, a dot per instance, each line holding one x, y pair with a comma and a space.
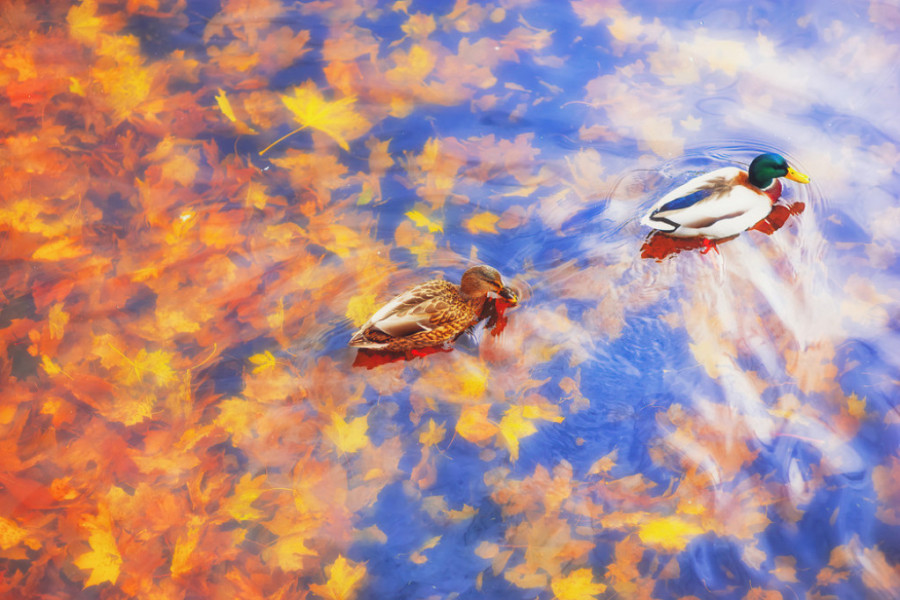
179, 411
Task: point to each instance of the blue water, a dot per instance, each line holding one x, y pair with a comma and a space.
708, 425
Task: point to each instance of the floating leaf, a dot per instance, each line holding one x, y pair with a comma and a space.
422, 221
344, 579
577, 585
336, 118
669, 533
263, 361
474, 425
483, 222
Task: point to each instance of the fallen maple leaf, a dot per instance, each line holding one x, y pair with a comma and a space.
348, 437
227, 110
246, 492
669, 533
423, 221
484, 222
103, 561
433, 435
263, 361
337, 118
344, 577
474, 425
84, 24
360, 308
577, 585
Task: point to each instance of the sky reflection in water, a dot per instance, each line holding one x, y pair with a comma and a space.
180, 418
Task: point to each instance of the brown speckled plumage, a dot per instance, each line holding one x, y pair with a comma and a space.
430, 313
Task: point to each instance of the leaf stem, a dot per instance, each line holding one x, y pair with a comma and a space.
282, 138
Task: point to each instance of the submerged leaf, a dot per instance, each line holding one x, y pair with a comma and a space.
344, 578
348, 437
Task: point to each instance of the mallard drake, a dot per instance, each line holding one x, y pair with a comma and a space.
432, 313
724, 202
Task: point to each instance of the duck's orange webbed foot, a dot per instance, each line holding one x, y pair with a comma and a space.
709, 245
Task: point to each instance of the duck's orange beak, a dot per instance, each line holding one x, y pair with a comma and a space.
797, 176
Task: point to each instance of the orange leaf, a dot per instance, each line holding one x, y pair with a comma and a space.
474, 425
484, 222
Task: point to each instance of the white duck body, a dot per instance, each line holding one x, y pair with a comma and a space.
715, 205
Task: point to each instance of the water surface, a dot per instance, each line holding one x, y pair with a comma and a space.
180, 416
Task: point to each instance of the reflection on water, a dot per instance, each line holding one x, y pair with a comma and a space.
180, 417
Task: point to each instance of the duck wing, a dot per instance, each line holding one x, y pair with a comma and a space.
700, 202
422, 308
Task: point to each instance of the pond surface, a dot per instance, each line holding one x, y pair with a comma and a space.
181, 415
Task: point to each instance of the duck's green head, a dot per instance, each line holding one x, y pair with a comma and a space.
766, 167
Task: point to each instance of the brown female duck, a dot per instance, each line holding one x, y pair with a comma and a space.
432, 313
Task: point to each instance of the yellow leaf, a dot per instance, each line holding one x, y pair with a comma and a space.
474, 425
337, 118
228, 111
360, 308
288, 552
157, 363
411, 67
669, 533
175, 321
103, 560
10, 533
422, 221
513, 427
123, 79
235, 417
225, 105
577, 585
339, 239
246, 492
856, 407
51, 367
75, 86
434, 434
348, 437
472, 382
84, 24
263, 361
485, 222
546, 413
59, 249
344, 577
184, 549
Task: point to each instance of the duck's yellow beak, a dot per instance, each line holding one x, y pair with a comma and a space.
796, 176
509, 295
